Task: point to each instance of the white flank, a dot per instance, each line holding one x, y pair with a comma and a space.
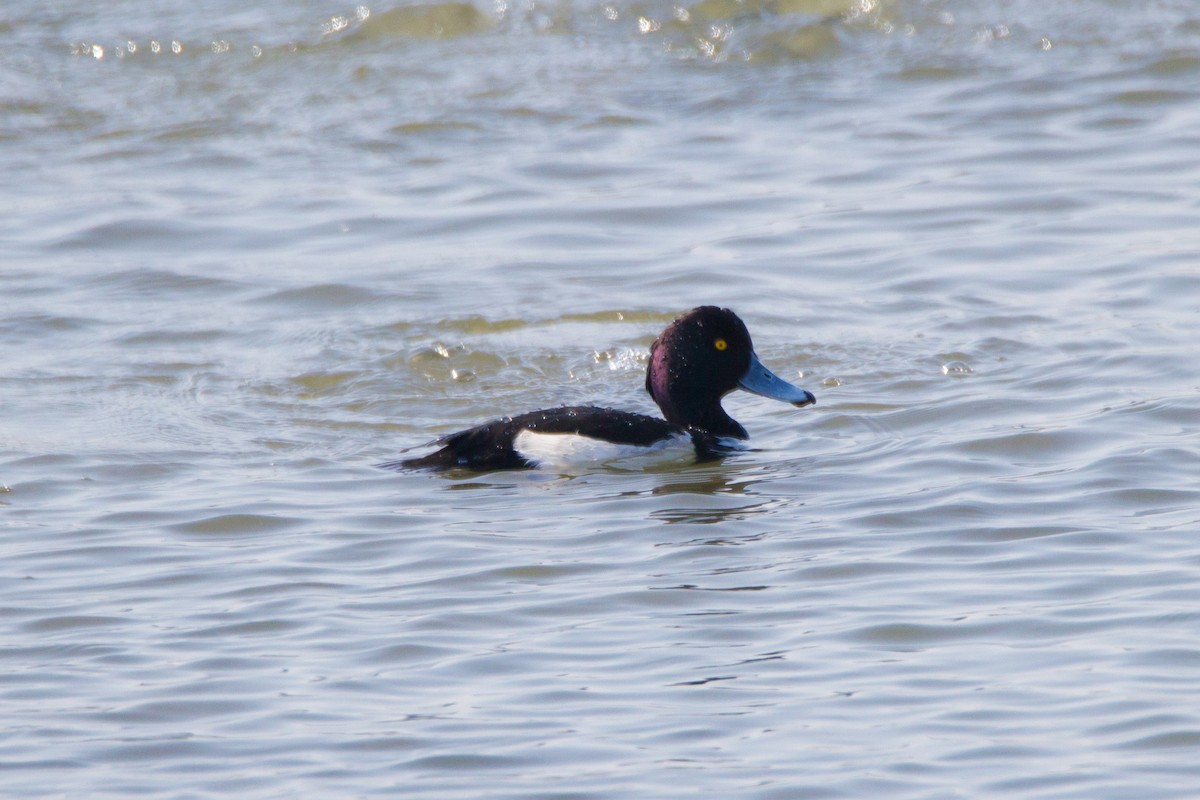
572, 451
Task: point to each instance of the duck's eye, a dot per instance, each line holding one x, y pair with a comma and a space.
721, 344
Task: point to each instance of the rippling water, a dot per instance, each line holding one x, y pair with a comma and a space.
251, 252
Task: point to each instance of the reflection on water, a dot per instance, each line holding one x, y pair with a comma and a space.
712, 497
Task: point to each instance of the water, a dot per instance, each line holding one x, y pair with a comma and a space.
241, 270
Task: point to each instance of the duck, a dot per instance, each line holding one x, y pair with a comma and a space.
699, 358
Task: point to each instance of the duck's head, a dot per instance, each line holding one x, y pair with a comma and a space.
703, 356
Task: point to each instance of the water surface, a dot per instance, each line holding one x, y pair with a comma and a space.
250, 253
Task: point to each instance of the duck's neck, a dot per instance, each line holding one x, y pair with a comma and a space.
712, 420
686, 399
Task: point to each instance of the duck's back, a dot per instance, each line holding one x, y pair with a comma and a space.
528, 440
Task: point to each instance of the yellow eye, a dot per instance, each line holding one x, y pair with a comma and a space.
720, 344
